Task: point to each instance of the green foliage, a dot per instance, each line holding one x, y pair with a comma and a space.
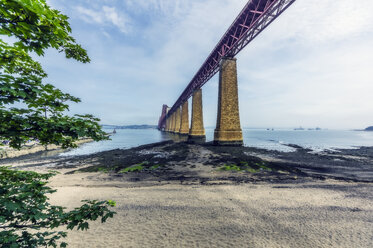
40, 112
134, 168
154, 167
104, 170
26, 217
144, 163
264, 168
32, 109
230, 167
144, 166
244, 166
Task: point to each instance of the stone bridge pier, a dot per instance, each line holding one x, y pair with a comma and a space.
197, 131
228, 130
184, 125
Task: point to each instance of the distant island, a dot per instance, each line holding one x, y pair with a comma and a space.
369, 128
130, 127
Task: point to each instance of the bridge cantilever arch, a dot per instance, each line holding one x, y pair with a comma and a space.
253, 19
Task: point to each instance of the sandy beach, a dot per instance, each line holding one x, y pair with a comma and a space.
319, 214
207, 207
34, 147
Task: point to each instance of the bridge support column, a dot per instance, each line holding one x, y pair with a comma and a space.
172, 121
174, 129
168, 124
228, 128
178, 120
197, 131
184, 126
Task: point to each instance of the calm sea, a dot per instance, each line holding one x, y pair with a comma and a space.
261, 138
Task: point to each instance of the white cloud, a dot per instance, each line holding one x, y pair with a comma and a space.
310, 67
106, 16
90, 16
118, 20
313, 22
166, 7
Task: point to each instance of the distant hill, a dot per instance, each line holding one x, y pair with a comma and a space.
130, 127
369, 128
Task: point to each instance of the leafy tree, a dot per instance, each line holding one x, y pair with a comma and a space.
30, 108
26, 217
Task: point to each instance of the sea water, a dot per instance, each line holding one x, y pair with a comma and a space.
316, 140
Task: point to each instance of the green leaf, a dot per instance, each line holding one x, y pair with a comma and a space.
41, 113
23, 200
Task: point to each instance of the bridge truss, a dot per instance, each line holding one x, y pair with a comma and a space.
253, 19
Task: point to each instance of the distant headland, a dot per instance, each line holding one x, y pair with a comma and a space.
369, 128
130, 127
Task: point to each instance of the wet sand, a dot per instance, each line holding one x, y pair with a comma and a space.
189, 202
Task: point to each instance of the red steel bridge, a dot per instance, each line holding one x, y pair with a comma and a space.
253, 19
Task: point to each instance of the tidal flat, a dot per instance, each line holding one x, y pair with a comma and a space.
186, 195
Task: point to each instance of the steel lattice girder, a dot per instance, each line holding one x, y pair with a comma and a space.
253, 19
161, 122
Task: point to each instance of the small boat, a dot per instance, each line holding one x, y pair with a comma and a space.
114, 132
299, 128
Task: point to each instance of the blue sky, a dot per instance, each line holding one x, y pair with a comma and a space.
311, 67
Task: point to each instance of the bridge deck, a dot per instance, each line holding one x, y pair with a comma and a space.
253, 19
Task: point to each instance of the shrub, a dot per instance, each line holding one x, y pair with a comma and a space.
27, 219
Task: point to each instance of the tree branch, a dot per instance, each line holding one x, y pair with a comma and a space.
19, 226
14, 21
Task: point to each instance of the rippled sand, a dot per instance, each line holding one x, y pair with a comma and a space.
308, 214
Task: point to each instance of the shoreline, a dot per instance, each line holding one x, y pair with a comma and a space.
305, 200
298, 199
342, 164
8, 152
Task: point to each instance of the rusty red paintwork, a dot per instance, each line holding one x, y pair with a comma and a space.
253, 19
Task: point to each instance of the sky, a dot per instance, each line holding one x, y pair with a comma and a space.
311, 67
